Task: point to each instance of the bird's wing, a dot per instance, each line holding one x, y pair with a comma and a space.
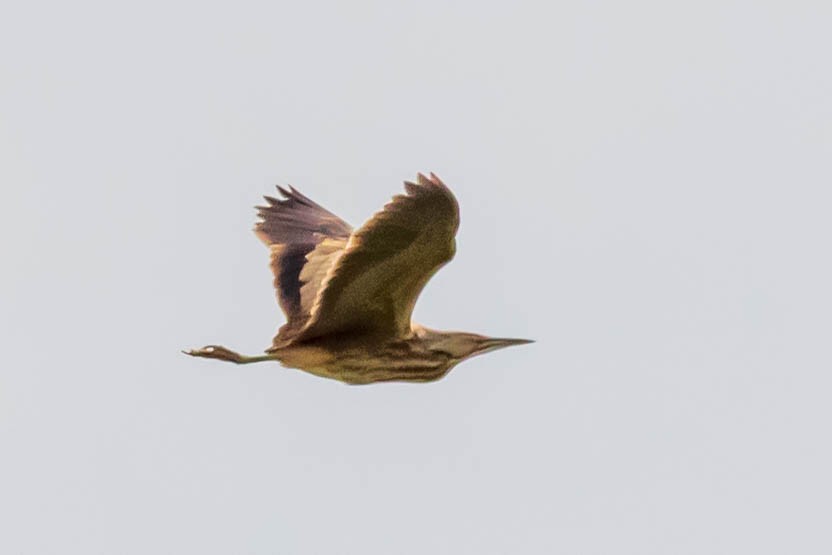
374, 283
294, 227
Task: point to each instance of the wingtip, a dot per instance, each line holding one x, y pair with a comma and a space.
431, 179
411, 187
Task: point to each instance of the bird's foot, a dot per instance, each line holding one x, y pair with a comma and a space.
216, 351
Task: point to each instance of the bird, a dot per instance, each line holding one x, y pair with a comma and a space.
348, 295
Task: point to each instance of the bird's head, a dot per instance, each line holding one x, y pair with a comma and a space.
461, 345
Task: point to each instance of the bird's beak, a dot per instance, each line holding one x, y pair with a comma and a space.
494, 343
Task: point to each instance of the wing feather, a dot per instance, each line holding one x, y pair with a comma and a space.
294, 227
373, 284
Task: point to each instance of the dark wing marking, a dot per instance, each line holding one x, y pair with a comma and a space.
374, 283
292, 227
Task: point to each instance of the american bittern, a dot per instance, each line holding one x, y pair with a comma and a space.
348, 295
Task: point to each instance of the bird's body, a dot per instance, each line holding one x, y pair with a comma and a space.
360, 362
348, 295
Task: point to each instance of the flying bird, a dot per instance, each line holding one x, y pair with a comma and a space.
348, 294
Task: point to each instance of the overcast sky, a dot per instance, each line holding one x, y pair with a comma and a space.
645, 190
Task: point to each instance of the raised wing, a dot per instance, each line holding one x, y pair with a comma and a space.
373, 285
294, 227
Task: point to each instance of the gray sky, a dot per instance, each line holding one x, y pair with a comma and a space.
645, 190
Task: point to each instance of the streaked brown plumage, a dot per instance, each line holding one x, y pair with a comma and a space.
348, 295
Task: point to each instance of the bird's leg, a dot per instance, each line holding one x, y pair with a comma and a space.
217, 351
